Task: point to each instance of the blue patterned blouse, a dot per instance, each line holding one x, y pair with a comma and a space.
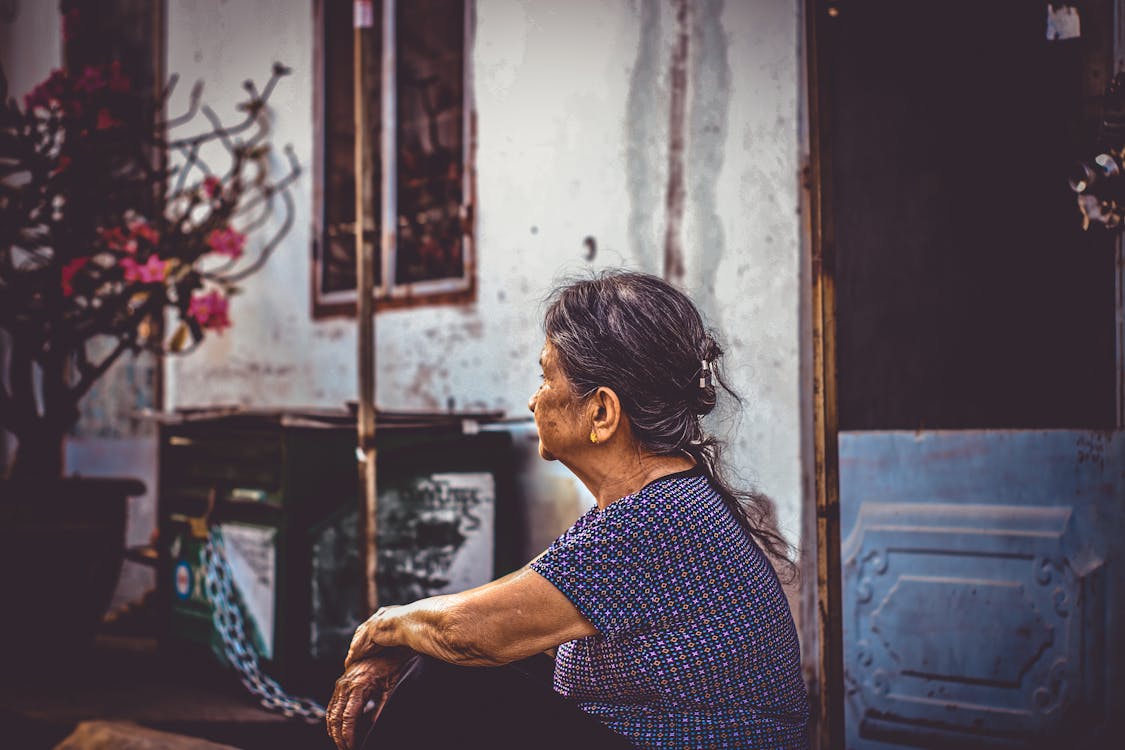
696, 644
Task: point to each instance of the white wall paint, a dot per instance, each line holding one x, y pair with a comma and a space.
30, 45
572, 108
753, 291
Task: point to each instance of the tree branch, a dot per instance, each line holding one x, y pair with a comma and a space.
87, 382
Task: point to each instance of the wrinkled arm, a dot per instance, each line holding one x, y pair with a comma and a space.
512, 618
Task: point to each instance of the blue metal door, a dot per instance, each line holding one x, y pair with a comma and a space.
983, 575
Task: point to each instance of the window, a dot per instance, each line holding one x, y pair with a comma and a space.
430, 259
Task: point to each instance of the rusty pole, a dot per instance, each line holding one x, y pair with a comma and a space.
365, 316
829, 699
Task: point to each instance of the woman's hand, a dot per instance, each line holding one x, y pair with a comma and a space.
364, 642
364, 682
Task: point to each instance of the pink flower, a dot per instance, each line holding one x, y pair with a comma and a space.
49, 92
212, 185
116, 240
227, 241
107, 121
117, 81
96, 78
210, 310
68, 273
91, 80
153, 271
143, 230
38, 98
62, 165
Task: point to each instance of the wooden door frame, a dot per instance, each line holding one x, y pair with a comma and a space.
1119, 250
822, 622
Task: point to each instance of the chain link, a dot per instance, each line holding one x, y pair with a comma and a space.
240, 653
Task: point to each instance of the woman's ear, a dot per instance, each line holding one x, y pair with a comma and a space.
604, 410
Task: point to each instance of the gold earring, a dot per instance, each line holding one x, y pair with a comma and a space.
593, 436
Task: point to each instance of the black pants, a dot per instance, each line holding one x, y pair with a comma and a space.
439, 705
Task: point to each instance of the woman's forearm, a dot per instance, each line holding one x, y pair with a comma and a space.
439, 627
418, 626
513, 618
436, 627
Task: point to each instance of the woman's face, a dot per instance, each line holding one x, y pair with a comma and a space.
556, 414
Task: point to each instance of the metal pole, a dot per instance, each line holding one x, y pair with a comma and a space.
365, 317
389, 153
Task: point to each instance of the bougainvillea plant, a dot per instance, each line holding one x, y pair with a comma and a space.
112, 224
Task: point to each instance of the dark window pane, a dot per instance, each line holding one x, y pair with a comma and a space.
430, 68
338, 242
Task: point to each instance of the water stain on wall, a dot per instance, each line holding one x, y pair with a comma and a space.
644, 154
708, 125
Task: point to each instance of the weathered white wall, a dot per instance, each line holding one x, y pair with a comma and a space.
743, 229
30, 45
573, 109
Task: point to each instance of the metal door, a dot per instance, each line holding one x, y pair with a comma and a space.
982, 577
978, 386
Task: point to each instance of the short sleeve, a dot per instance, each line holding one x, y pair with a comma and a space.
610, 566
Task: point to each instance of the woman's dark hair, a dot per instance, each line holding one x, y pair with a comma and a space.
643, 338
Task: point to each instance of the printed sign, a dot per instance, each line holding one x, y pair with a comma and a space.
252, 554
436, 536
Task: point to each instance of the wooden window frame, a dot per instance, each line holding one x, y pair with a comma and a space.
388, 295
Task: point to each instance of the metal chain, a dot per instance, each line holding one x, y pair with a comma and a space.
239, 651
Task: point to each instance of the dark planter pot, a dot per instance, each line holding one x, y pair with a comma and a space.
62, 543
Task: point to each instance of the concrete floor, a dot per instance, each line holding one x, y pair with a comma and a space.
125, 678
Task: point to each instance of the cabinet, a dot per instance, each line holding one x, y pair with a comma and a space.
282, 490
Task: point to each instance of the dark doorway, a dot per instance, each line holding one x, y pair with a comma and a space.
968, 295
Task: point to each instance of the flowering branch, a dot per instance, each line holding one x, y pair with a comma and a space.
107, 220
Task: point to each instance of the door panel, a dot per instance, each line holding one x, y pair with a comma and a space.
981, 577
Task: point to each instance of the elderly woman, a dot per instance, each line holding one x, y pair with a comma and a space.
660, 605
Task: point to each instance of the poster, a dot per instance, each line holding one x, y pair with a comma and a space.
435, 536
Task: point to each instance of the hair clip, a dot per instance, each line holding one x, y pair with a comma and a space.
705, 373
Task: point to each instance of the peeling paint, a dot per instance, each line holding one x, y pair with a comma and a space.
334, 333
421, 387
